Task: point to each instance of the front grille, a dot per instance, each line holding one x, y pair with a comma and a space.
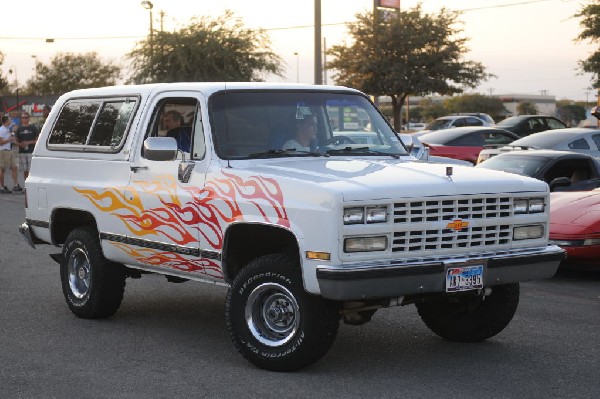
444, 239
448, 209
434, 224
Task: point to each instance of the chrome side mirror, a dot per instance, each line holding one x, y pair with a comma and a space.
160, 148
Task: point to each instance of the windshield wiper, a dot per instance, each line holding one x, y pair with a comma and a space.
287, 152
364, 150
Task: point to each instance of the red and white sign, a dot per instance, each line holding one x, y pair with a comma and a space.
389, 4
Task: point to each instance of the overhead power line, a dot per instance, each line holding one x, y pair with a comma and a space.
521, 3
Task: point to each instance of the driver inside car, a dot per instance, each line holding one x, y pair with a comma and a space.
306, 131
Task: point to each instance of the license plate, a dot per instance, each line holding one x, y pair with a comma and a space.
464, 278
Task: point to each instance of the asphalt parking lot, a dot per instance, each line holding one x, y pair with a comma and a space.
170, 340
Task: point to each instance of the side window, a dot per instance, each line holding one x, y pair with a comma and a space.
468, 140
112, 122
178, 118
459, 122
497, 138
580, 144
596, 138
97, 125
536, 125
554, 124
74, 122
473, 122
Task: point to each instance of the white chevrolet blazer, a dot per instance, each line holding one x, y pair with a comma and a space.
301, 200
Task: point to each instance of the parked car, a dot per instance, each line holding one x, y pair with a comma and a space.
418, 150
412, 143
575, 227
414, 126
480, 115
576, 139
450, 121
524, 125
465, 143
562, 170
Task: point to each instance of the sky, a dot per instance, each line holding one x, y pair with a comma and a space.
528, 44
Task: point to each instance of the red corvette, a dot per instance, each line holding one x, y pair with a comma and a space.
575, 227
464, 143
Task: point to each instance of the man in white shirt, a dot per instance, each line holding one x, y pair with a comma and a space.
306, 131
6, 154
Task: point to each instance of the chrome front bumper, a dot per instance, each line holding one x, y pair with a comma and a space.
393, 279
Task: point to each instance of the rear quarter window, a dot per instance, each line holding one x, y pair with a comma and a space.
93, 124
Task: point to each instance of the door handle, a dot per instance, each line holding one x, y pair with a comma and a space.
135, 169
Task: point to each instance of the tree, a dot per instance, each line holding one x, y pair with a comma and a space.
476, 103
206, 50
415, 54
590, 22
570, 113
430, 109
526, 108
3, 81
69, 71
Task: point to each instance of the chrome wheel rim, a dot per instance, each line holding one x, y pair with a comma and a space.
272, 314
79, 273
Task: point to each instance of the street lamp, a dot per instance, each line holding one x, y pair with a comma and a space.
149, 6
13, 69
297, 67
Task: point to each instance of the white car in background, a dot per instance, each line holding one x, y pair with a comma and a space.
450, 121
577, 139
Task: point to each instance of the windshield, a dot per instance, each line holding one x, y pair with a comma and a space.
521, 165
291, 123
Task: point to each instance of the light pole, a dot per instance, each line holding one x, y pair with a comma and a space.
318, 59
13, 69
149, 6
35, 61
297, 67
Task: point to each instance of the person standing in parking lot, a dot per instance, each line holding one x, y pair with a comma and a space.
27, 136
6, 155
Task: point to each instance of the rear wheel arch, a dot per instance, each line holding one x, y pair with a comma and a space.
64, 220
248, 241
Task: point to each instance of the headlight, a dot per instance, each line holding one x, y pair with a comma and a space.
365, 244
369, 214
376, 214
531, 205
528, 232
354, 215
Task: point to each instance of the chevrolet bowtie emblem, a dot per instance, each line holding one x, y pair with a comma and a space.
457, 225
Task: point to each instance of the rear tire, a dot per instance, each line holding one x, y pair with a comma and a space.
272, 321
93, 287
471, 318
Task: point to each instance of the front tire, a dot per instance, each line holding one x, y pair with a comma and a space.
272, 321
471, 318
93, 287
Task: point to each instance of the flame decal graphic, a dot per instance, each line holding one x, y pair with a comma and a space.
169, 259
153, 208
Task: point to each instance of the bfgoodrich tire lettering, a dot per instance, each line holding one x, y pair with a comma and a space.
471, 318
272, 321
93, 287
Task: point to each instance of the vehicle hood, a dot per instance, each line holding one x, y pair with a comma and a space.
575, 209
363, 179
